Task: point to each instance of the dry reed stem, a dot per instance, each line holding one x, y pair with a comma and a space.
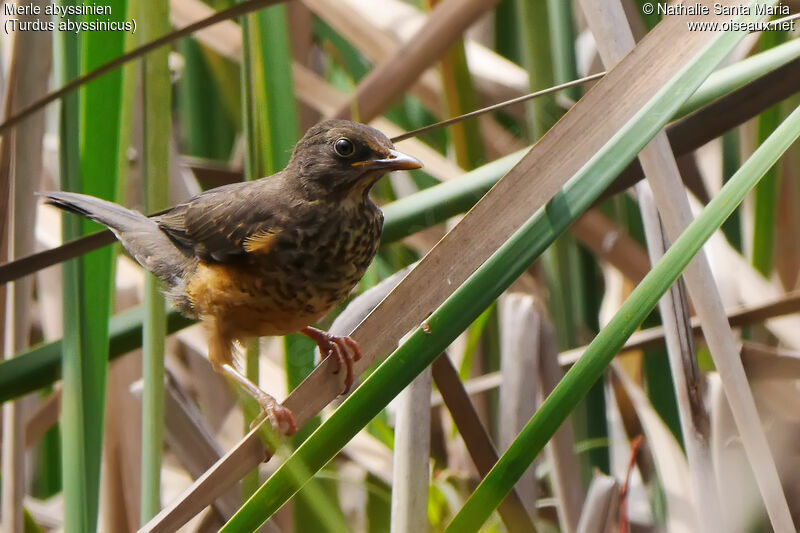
397, 73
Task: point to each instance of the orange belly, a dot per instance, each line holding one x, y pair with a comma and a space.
247, 304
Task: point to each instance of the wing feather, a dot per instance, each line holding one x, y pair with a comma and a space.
226, 223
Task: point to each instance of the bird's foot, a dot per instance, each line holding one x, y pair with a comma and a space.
344, 350
279, 416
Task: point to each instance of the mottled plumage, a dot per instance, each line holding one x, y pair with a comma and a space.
271, 256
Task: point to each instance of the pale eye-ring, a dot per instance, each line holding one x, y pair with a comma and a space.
344, 147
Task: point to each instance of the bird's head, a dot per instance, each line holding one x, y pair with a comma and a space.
346, 158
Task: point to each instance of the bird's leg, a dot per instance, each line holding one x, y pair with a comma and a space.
344, 349
279, 416
220, 353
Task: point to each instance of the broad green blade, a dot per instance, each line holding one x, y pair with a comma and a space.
90, 137
157, 128
766, 193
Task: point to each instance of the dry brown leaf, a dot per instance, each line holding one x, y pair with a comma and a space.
375, 44
397, 73
495, 76
185, 12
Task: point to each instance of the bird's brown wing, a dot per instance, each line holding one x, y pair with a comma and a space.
225, 223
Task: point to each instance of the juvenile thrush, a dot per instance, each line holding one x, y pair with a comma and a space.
271, 256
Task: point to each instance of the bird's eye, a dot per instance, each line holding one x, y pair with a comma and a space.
344, 147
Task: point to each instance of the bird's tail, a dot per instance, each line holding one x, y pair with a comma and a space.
140, 236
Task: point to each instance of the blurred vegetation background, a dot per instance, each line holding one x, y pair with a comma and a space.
111, 412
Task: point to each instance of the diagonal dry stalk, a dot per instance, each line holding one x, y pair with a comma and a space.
476, 438
496, 77
611, 242
614, 40
191, 440
526, 188
226, 35
375, 45
398, 72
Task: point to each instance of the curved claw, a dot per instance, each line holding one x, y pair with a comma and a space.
354, 346
280, 417
341, 346
344, 349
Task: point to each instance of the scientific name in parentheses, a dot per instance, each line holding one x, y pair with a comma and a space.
721, 9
